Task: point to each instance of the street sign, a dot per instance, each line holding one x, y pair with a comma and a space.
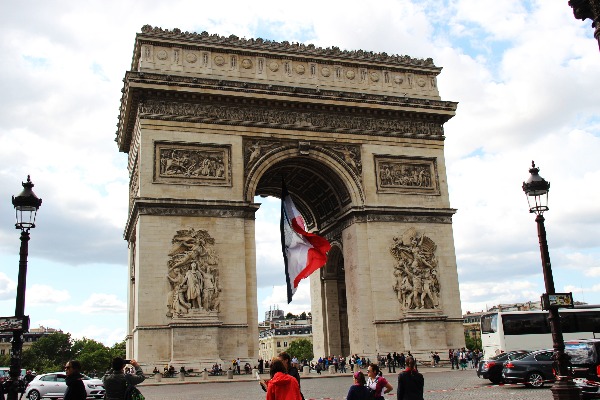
557, 300
12, 324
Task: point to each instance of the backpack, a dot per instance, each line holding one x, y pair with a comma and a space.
133, 393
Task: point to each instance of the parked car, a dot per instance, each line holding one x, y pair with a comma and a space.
585, 364
53, 385
492, 368
534, 369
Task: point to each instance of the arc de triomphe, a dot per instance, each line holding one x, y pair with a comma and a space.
209, 122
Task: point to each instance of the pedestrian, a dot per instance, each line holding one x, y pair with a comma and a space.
75, 386
115, 381
410, 382
282, 386
377, 383
358, 391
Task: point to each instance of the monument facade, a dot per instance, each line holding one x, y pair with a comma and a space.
210, 122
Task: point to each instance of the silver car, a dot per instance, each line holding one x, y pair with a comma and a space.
54, 386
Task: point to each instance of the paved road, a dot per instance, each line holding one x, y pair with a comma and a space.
442, 384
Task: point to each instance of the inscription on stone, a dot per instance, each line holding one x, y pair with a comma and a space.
190, 164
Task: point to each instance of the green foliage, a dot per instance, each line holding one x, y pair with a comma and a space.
93, 355
290, 316
49, 354
118, 349
302, 349
5, 359
471, 343
303, 315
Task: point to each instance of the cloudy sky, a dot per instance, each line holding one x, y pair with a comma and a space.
526, 75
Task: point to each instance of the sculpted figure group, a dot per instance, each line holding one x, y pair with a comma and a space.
416, 271
193, 274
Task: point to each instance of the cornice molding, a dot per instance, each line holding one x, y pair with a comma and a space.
416, 215
297, 49
187, 207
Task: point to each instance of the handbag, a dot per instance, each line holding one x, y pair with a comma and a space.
133, 393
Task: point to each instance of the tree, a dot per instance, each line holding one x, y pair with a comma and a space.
93, 356
290, 316
119, 349
49, 354
302, 349
471, 343
303, 315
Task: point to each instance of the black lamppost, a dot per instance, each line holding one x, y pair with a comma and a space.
536, 189
26, 205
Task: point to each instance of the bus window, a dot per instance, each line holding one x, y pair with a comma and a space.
489, 323
589, 321
525, 324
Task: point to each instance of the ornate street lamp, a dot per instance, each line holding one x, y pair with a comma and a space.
26, 206
536, 189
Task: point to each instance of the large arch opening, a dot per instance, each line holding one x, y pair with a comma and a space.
321, 195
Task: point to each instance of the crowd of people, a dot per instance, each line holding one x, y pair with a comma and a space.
463, 358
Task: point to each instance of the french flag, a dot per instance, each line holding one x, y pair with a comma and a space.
303, 252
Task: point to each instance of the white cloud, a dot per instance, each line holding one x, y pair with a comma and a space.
300, 300
98, 303
43, 294
107, 335
8, 287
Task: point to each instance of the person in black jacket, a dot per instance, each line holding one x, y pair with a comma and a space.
410, 382
75, 386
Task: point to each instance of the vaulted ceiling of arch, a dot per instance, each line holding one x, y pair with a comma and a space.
318, 193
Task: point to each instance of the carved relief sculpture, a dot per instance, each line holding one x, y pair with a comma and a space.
416, 175
416, 271
191, 164
192, 275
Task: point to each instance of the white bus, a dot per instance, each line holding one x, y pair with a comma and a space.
530, 330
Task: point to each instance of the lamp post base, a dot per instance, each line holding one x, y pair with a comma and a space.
565, 389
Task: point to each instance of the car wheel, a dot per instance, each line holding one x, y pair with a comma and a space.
34, 395
535, 379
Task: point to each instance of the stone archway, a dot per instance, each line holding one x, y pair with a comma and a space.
209, 122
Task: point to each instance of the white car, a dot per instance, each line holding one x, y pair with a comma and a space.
54, 386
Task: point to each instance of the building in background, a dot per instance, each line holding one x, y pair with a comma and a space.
276, 333
29, 338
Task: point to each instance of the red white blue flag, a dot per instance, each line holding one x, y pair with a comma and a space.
303, 252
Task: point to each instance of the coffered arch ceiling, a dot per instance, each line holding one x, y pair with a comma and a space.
318, 192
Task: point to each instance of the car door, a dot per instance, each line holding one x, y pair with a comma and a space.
544, 363
59, 386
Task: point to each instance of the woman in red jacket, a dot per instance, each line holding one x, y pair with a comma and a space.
282, 386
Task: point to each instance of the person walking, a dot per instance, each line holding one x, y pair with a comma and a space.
282, 385
75, 386
410, 382
115, 381
377, 383
358, 391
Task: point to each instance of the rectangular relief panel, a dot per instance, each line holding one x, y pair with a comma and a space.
407, 175
192, 164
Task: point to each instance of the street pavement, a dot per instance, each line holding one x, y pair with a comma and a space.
440, 384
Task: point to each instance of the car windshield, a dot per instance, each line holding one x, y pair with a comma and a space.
581, 353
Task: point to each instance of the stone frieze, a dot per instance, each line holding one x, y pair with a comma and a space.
288, 119
192, 164
409, 175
